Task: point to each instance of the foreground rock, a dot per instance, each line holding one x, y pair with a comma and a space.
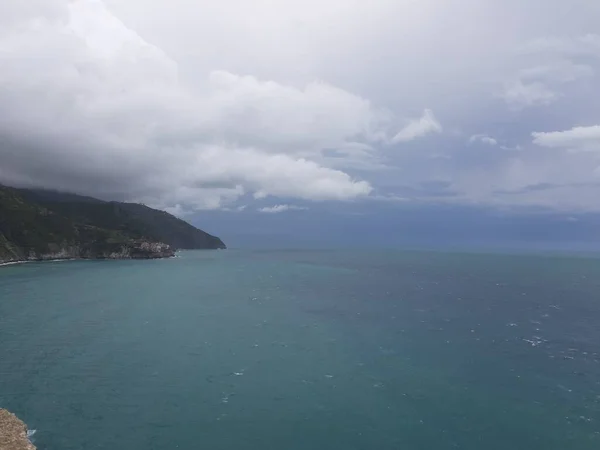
13, 433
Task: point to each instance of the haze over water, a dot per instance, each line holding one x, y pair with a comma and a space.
305, 350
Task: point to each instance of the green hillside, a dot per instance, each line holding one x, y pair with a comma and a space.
38, 224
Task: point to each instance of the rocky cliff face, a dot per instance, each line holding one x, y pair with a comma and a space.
129, 250
138, 250
13, 433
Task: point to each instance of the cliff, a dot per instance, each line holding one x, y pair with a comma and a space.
13, 433
42, 225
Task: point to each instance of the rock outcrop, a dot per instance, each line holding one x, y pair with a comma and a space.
13, 433
139, 250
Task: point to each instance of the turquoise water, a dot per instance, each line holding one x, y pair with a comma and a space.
305, 350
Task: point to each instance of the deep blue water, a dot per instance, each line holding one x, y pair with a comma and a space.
305, 350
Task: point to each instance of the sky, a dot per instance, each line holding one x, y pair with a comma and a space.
278, 121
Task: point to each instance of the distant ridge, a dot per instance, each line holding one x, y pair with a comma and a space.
39, 224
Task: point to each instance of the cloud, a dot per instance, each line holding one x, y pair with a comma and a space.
272, 115
575, 139
519, 94
417, 128
483, 139
108, 114
280, 208
552, 65
561, 71
178, 210
586, 44
186, 106
491, 141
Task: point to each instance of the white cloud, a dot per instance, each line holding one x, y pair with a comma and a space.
183, 105
560, 71
272, 115
491, 141
278, 175
483, 138
552, 65
575, 139
417, 128
587, 44
109, 114
519, 94
280, 208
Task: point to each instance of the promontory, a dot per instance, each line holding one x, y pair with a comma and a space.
38, 225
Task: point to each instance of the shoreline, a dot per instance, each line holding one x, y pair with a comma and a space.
14, 434
27, 261
107, 250
12, 263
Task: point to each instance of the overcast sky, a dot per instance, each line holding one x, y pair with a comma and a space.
288, 108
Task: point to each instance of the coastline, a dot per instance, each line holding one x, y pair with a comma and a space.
13, 432
132, 250
12, 263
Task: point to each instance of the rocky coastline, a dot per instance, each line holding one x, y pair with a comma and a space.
13, 433
129, 250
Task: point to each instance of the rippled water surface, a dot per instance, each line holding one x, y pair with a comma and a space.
305, 350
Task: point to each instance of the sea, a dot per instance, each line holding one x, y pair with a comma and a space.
305, 350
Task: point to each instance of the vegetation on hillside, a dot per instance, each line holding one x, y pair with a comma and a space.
39, 222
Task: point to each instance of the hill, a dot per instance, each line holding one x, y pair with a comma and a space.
38, 225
